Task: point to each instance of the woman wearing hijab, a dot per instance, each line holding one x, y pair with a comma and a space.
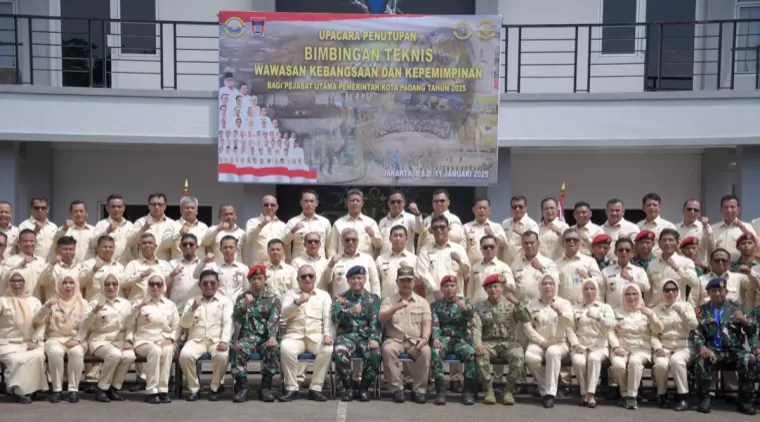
156, 330
548, 331
671, 347
106, 327
20, 351
631, 343
61, 317
594, 320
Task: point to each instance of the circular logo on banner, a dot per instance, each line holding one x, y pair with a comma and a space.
486, 29
462, 30
234, 27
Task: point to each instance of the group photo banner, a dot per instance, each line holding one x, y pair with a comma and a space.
339, 99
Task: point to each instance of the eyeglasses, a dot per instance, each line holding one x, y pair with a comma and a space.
518, 207
312, 241
439, 201
156, 284
439, 227
40, 208
395, 201
690, 209
157, 204
488, 247
670, 290
624, 250
208, 283
307, 276
350, 239
270, 205
720, 260
188, 244
572, 240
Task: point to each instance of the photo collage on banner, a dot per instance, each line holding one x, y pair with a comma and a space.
336, 99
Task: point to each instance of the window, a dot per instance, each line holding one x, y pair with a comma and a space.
137, 211
599, 216
138, 37
7, 38
748, 36
618, 39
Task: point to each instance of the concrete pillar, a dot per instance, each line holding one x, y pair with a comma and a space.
9, 178
748, 180
718, 179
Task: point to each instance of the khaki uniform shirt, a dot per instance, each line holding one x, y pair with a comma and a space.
570, 286
11, 232
634, 330
156, 321
514, 231
257, 239
9, 331
309, 320
434, 262
475, 231
740, 289
91, 282
587, 234
31, 273
388, 264
551, 242
528, 279
316, 224
659, 270
157, 229
367, 243
214, 235
657, 226
212, 321
83, 236
171, 238
44, 237
480, 271
675, 327
593, 323
134, 286
233, 277
319, 264
406, 323
111, 324
184, 286
696, 229
335, 277
624, 229
612, 287
51, 273
403, 219
122, 250
281, 278
456, 230
724, 236
546, 324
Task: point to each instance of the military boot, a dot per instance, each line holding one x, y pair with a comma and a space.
440, 391
348, 390
745, 404
705, 403
682, 403
508, 399
363, 394
468, 392
241, 389
489, 398
265, 391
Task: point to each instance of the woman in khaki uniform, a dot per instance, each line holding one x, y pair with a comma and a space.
594, 320
671, 347
631, 343
156, 330
20, 352
62, 316
109, 334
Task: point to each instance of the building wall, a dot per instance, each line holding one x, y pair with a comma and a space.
595, 176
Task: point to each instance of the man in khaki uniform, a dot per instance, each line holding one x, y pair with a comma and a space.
515, 227
9, 230
95, 270
696, 226
181, 285
281, 277
482, 226
260, 230
156, 223
306, 222
117, 228
442, 257
651, 205
188, 223
334, 275
369, 233
227, 227
575, 268
550, 230
64, 260
232, 273
25, 260
616, 226
208, 319
670, 265
136, 273
730, 228
409, 325
389, 262
397, 217
441, 204
528, 271
586, 229
43, 228
485, 267
311, 257
77, 228
618, 276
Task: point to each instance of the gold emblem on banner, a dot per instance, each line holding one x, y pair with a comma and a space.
486, 29
462, 30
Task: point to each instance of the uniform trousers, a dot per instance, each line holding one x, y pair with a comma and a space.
290, 349
116, 363
546, 376
510, 351
588, 367
56, 351
675, 364
628, 370
158, 367
419, 369
24, 369
188, 359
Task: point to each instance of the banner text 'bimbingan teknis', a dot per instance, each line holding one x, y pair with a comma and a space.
338, 99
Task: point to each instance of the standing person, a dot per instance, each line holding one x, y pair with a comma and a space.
551, 229
651, 204
117, 228
43, 228
261, 230
187, 224
155, 223
397, 217
616, 226
514, 227
482, 226
307, 222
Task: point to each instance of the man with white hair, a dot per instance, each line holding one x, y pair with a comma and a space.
189, 223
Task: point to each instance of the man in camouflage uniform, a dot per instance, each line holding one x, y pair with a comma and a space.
355, 314
690, 249
494, 336
643, 248
451, 316
719, 339
600, 248
257, 312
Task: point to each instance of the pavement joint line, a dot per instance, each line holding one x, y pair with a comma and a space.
342, 411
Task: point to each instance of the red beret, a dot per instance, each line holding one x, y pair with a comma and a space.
645, 234
491, 279
746, 235
448, 278
691, 240
601, 238
257, 270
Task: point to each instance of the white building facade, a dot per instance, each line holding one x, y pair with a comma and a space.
610, 110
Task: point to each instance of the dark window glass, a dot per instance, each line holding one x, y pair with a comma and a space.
618, 39
138, 38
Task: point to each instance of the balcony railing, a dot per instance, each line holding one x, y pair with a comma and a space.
177, 55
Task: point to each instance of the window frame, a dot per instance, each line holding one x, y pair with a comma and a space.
115, 36
744, 4
102, 214
639, 41
14, 10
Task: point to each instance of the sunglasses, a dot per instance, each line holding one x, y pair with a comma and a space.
156, 284
157, 204
720, 260
188, 244
439, 201
350, 239
488, 247
572, 240
438, 227
40, 208
208, 283
692, 209
624, 250
670, 290
307, 276
518, 207
312, 241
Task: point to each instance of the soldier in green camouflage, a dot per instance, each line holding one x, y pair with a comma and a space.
355, 314
719, 339
600, 248
451, 317
494, 336
643, 248
258, 314
746, 244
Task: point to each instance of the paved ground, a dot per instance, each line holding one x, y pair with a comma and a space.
528, 409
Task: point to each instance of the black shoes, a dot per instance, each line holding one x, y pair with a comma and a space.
399, 397
194, 396
317, 396
440, 392
289, 395
547, 401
